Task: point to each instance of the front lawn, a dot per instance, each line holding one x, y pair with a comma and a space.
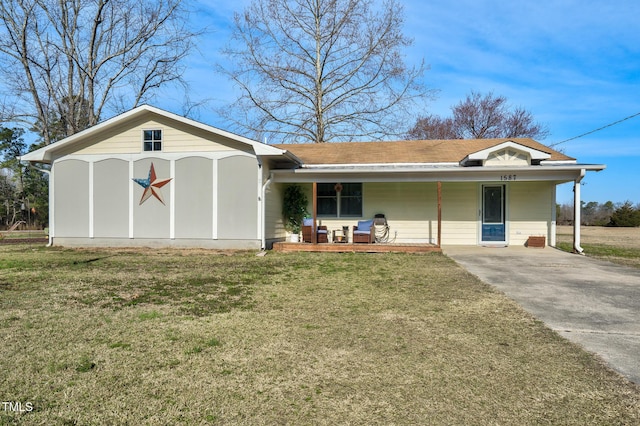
203, 337
620, 255
617, 245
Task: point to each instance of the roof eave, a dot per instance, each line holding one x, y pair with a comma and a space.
34, 157
439, 168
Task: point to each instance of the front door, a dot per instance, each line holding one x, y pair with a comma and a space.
493, 214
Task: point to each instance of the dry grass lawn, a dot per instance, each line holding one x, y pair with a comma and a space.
619, 245
161, 337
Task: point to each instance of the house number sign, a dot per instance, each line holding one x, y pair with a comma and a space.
507, 177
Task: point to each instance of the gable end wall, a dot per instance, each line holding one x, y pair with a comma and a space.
176, 138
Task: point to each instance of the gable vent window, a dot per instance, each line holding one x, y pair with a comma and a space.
152, 140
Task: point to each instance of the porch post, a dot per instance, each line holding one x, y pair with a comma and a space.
577, 206
314, 232
439, 214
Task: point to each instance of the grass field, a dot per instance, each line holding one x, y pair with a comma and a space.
21, 235
619, 245
196, 337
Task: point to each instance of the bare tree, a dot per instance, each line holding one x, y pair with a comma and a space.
321, 70
520, 123
480, 117
432, 127
66, 61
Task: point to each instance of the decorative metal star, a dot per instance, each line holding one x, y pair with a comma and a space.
151, 186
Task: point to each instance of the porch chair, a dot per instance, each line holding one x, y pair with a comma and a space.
364, 232
307, 232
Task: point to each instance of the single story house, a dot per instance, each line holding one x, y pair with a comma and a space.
148, 177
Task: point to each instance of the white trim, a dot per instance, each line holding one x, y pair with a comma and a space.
52, 201
558, 162
259, 228
552, 230
338, 197
152, 129
214, 199
438, 168
155, 154
131, 199
577, 207
535, 154
91, 200
380, 166
263, 207
172, 200
558, 174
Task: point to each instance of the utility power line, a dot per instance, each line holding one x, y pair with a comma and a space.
596, 130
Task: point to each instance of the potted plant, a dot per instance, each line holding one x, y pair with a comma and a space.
294, 210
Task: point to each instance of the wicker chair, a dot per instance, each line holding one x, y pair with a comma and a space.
364, 232
307, 232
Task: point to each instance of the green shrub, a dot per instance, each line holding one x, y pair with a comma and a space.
294, 208
625, 215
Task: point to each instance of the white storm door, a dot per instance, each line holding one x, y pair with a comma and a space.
494, 214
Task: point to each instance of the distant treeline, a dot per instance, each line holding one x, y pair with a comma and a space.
596, 214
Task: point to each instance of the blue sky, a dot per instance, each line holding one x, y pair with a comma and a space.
574, 64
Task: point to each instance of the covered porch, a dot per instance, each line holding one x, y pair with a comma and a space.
430, 193
357, 248
422, 216
349, 245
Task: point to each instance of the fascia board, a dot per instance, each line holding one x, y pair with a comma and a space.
378, 166
450, 173
443, 167
556, 174
44, 154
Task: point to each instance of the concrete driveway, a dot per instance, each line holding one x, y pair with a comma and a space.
593, 303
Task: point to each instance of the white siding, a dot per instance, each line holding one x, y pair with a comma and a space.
411, 210
72, 201
127, 139
194, 198
237, 198
111, 199
460, 213
530, 210
274, 225
177, 139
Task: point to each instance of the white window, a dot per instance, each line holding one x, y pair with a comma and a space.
339, 200
152, 140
